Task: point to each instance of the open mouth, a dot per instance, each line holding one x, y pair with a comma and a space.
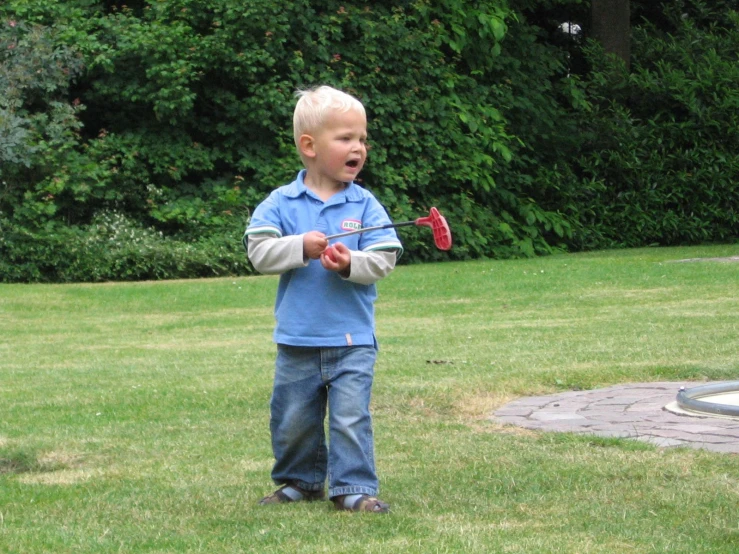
353, 164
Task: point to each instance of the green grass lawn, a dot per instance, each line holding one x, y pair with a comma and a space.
134, 416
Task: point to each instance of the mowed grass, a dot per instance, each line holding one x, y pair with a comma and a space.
134, 416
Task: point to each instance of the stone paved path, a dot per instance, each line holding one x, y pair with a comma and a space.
630, 411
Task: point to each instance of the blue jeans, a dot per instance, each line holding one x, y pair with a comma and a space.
308, 381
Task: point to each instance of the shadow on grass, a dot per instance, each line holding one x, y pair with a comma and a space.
23, 461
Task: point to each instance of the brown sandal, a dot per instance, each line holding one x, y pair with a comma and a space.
364, 503
279, 497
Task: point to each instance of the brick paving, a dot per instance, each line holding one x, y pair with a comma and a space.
635, 411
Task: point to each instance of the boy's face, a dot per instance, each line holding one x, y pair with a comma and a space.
340, 146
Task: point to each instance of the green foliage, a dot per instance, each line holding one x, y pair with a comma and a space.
203, 95
662, 141
176, 115
536, 95
38, 127
113, 247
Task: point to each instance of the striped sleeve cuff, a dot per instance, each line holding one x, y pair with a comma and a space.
385, 245
263, 230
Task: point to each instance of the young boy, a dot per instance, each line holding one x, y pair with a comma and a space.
324, 311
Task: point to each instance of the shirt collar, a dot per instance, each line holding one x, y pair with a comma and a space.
350, 194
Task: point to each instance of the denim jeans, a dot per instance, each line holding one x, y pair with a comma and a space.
308, 381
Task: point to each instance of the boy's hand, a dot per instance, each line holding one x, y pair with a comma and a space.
314, 244
337, 258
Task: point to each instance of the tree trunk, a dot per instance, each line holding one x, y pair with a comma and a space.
611, 26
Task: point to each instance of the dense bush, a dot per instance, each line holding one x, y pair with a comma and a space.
113, 247
659, 162
174, 119
39, 128
188, 106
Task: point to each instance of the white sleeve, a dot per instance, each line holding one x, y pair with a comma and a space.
274, 255
369, 267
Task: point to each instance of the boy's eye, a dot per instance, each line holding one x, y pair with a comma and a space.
349, 139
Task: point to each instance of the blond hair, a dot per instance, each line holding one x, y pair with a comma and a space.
315, 104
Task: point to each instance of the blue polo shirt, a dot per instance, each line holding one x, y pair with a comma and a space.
316, 307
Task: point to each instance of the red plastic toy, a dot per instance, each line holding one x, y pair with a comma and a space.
437, 222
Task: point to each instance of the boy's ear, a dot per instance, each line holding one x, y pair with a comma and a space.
307, 143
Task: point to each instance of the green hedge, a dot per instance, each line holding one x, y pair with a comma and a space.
660, 162
173, 118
